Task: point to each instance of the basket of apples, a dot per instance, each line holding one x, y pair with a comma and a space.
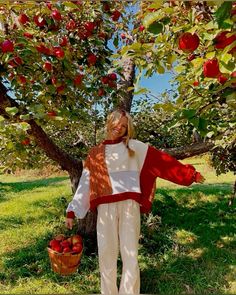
65, 253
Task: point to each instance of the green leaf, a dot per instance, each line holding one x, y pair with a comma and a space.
171, 58
2, 119
160, 69
226, 57
156, 4
210, 55
25, 126
116, 41
223, 12
155, 28
210, 134
189, 113
70, 4
141, 91
197, 62
227, 24
11, 110
10, 145
25, 117
202, 124
151, 18
194, 121
179, 69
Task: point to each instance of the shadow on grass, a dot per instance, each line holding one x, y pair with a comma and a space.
16, 187
32, 261
199, 265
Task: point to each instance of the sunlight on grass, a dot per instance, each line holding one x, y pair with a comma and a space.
187, 243
185, 237
196, 253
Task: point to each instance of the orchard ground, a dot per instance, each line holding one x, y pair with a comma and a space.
187, 244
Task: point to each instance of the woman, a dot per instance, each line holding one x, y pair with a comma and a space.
118, 180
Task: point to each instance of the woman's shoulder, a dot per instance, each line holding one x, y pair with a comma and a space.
137, 144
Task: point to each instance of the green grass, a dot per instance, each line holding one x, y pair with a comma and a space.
187, 244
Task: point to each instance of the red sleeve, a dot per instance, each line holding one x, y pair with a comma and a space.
161, 164
70, 214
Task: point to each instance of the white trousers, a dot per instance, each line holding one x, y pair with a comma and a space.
118, 226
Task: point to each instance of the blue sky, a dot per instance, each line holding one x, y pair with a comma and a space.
157, 83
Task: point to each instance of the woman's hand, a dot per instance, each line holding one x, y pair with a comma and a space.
199, 178
69, 223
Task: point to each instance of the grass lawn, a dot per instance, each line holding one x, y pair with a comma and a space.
187, 245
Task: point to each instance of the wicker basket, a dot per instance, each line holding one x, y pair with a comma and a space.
64, 263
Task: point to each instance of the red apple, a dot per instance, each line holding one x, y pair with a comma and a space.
49, 5
71, 25
122, 35
141, 28
47, 66
112, 76
11, 76
90, 26
211, 68
233, 74
56, 15
195, 83
101, 91
66, 250
65, 244
115, 15
104, 80
23, 18
60, 89
77, 248
7, 46
57, 248
54, 242
25, 141
58, 52
69, 240
43, 49
91, 59
39, 21
188, 42
222, 79
18, 60
21, 79
52, 114
28, 35
112, 84
222, 40
78, 79
59, 237
63, 41
76, 239
54, 80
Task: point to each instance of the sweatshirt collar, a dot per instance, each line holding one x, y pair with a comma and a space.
110, 141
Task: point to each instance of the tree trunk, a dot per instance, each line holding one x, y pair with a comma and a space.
74, 167
127, 80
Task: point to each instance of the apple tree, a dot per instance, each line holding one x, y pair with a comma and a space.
196, 40
56, 74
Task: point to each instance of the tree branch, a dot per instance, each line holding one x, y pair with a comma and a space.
195, 149
71, 165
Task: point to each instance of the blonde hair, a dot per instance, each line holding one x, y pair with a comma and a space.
116, 116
